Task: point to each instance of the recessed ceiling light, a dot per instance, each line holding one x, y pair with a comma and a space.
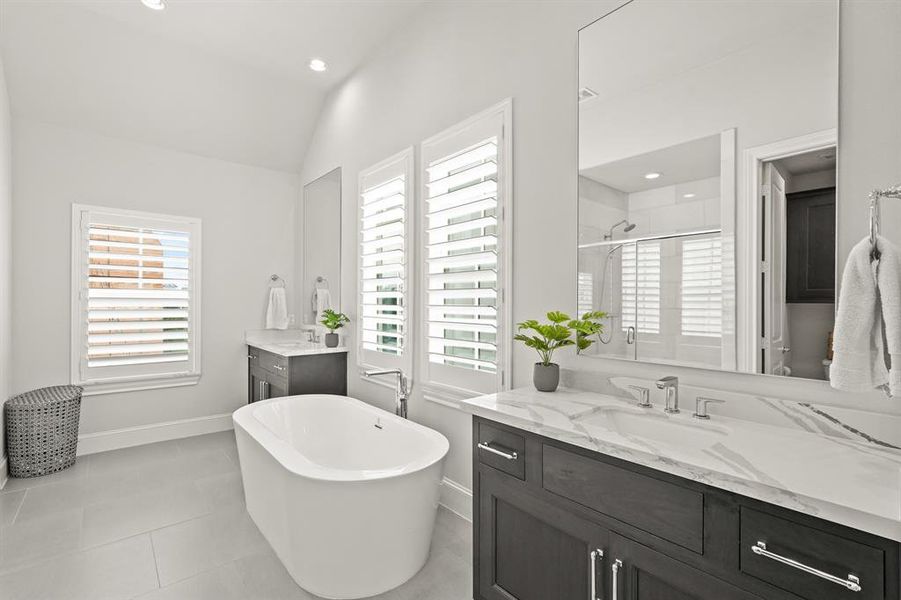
154, 4
651, 175
317, 64
688, 195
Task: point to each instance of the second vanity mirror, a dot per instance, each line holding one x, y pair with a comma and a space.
321, 273
708, 134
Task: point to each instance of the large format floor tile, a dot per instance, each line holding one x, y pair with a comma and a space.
167, 522
120, 570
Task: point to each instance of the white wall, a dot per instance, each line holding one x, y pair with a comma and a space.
247, 235
453, 61
5, 257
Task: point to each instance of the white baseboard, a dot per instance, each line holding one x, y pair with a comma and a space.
456, 498
4, 473
101, 441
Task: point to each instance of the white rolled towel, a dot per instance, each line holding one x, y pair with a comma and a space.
277, 311
322, 301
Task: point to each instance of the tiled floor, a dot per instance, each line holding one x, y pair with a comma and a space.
167, 521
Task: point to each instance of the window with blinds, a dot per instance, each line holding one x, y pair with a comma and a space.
585, 300
384, 263
464, 206
702, 287
641, 286
135, 315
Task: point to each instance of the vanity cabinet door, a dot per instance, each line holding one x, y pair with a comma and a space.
530, 550
639, 573
262, 385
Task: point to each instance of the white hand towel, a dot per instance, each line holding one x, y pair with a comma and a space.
858, 362
888, 281
323, 301
277, 312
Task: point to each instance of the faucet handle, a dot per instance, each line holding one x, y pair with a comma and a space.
701, 403
644, 395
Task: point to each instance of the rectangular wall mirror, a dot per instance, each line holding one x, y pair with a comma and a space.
708, 134
321, 285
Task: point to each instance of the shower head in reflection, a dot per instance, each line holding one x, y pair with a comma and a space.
628, 227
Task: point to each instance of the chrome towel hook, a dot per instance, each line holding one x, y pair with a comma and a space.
875, 196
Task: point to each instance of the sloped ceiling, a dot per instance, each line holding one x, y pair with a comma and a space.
225, 79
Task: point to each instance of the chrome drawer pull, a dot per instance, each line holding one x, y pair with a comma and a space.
595, 556
617, 565
509, 455
852, 582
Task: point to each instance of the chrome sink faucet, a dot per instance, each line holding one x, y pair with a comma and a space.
401, 389
670, 387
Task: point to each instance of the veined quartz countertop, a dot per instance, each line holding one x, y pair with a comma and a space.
846, 481
288, 342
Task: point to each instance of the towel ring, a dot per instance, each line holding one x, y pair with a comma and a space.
276, 281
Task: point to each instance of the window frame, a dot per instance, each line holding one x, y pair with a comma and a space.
443, 383
136, 377
403, 162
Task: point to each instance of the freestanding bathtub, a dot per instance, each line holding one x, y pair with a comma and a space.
345, 493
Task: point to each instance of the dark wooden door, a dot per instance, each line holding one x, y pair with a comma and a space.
531, 550
645, 574
276, 387
810, 255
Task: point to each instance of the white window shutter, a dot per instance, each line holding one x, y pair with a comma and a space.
135, 298
641, 286
385, 241
702, 287
465, 235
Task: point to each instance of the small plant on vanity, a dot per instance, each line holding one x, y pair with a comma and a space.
548, 337
545, 339
333, 321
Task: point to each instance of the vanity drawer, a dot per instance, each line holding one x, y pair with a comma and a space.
275, 364
501, 449
769, 542
666, 510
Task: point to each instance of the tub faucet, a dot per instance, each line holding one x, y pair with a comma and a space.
670, 387
401, 389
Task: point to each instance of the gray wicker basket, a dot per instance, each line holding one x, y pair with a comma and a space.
42, 430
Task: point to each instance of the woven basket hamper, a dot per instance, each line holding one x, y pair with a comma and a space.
42, 430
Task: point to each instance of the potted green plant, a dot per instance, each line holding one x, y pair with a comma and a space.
333, 321
587, 328
545, 338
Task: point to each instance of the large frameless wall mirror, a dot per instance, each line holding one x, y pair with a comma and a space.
707, 171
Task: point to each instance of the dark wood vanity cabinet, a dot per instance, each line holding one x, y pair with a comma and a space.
271, 375
551, 520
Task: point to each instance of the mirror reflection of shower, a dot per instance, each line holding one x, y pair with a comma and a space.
628, 227
608, 262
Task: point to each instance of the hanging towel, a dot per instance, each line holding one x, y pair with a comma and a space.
888, 282
322, 301
858, 363
277, 312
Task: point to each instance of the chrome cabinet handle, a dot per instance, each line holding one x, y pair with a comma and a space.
615, 567
252, 356
596, 555
852, 582
278, 367
262, 392
508, 454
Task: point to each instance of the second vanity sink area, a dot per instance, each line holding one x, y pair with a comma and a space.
290, 362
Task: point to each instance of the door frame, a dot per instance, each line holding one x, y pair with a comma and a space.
748, 243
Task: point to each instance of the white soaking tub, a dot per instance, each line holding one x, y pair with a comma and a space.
345, 493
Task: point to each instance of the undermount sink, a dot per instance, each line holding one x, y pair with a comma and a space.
673, 431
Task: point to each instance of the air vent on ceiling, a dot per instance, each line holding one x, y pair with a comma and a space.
586, 93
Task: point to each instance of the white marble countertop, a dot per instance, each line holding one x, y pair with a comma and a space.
851, 482
288, 342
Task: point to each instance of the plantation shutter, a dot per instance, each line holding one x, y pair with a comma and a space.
641, 286
384, 261
464, 195
137, 296
702, 287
